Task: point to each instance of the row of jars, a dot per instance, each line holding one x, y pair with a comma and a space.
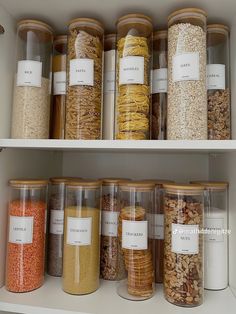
151, 231
188, 96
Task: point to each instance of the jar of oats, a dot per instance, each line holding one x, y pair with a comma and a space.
84, 70
134, 60
183, 248
32, 86
187, 95
218, 82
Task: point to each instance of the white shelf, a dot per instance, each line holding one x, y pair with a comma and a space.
122, 146
50, 299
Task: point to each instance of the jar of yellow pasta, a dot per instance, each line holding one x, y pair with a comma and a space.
134, 51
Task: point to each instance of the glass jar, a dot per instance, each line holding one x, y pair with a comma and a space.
134, 61
81, 260
109, 86
187, 95
136, 204
216, 236
26, 235
84, 70
59, 87
159, 85
32, 87
183, 248
218, 82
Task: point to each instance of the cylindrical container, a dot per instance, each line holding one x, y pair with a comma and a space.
84, 79
183, 249
136, 204
187, 95
59, 87
216, 236
32, 87
218, 82
159, 85
26, 235
81, 260
134, 62
109, 87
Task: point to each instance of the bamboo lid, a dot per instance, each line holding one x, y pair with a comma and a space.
84, 183
135, 18
60, 39
160, 34
28, 182
212, 185
187, 10
110, 37
85, 21
33, 23
215, 27
159, 182
113, 181
58, 180
188, 189
137, 185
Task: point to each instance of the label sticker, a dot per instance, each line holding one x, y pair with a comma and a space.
79, 231
186, 67
215, 76
134, 235
59, 83
56, 221
109, 223
213, 229
81, 72
159, 81
29, 73
21, 230
185, 239
131, 70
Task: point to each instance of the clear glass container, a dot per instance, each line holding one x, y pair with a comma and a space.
134, 63
216, 235
59, 87
26, 235
159, 85
81, 260
136, 205
32, 86
187, 95
109, 87
84, 71
218, 82
183, 248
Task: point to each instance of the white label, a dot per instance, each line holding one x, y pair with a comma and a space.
81, 72
134, 235
21, 230
56, 221
186, 67
109, 71
159, 81
79, 231
213, 229
185, 239
59, 83
215, 76
109, 223
131, 70
29, 73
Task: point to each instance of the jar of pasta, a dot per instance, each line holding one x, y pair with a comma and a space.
134, 60
136, 204
26, 235
32, 86
84, 71
81, 259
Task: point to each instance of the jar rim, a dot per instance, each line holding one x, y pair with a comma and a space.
212, 185
211, 28
83, 183
28, 182
183, 187
159, 182
31, 22
60, 39
160, 34
110, 36
86, 20
59, 180
142, 18
140, 185
186, 10
113, 181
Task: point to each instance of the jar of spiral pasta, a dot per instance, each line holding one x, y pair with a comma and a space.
134, 58
84, 71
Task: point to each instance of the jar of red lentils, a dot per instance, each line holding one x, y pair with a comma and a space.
26, 235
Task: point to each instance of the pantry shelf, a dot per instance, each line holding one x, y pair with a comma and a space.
122, 146
50, 299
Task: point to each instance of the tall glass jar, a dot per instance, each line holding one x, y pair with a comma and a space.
218, 82
187, 95
32, 86
136, 204
134, 62
26, 235
183, 250
84, 79
159, 85
59, 87
216, 236
109, 87
81, 260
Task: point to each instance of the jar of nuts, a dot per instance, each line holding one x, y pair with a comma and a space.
183, 248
